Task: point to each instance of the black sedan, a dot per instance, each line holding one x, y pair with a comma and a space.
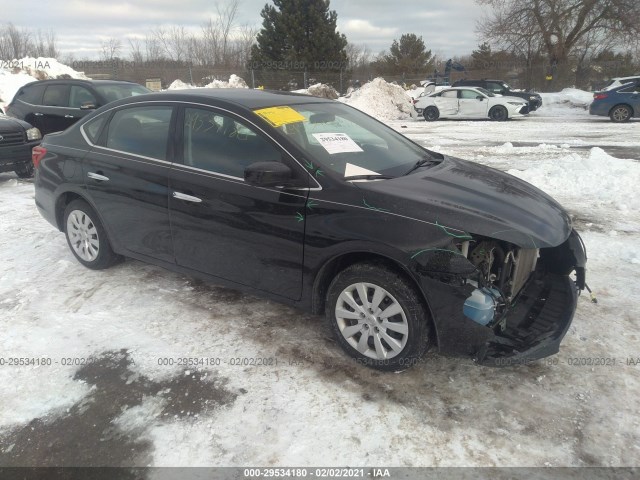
313, 203
17, 139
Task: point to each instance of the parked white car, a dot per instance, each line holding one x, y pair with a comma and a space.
469, 102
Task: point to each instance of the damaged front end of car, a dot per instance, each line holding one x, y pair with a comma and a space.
501, 303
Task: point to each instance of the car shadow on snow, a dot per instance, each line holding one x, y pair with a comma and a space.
88, 433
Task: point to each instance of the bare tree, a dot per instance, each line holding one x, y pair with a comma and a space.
135, 50
110, 48
558, 26
15, 43
45, 44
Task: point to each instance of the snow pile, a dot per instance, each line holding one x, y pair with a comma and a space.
381, 100
29, 70
43, 68
180, 85
321, 90
571, 97
596, 181
234, 82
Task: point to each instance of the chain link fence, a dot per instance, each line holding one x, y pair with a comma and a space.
541, 76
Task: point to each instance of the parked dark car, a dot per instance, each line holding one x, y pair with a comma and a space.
311, 202
53, 105
501, 88
17, 138
620, 104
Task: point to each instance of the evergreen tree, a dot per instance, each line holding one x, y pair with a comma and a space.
408, 55
302, 31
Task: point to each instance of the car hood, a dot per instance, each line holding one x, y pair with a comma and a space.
476, 199
8, 124
506, 98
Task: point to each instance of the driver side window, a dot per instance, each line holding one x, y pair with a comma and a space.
220, 144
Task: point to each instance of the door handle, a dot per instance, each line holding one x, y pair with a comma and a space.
69, 116
97, 176
186, 198
38, 114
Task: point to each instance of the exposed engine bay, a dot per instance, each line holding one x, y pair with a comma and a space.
503, 269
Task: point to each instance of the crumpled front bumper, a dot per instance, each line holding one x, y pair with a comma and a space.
535, 325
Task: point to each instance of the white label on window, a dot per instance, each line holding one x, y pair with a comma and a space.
337, 143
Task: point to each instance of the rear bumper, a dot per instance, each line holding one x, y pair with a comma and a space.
536, 325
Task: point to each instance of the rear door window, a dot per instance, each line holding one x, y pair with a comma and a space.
140, 131
79, 96
56, 96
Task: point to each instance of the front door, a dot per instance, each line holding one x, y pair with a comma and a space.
224, 226
472, 104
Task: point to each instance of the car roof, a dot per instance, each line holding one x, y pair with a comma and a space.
82, 81
243, 97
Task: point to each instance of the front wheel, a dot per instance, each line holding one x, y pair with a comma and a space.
498, 113
431, 114
378, 317
620, 114
87, 237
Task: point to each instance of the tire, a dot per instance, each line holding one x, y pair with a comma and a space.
498, 113
86, 236
431, 114
391, 343
26, 171
620, 114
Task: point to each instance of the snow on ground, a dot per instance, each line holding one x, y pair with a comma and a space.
234, 82
315, 406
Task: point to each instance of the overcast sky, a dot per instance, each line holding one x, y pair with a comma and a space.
447, 26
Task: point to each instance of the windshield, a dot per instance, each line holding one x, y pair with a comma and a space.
344, 140
114, 92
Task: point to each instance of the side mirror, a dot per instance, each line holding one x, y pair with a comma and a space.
268, 174
480, 97
88, 106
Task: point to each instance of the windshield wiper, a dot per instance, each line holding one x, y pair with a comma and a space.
368, 177
423, 162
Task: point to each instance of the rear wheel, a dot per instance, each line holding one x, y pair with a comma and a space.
431, 114
378, 317
498, 113
620, 114
86, 236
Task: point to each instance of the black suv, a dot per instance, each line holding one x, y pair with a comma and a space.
501, 88
54, 105
17, 138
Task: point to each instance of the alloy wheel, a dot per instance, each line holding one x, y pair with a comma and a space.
83, 235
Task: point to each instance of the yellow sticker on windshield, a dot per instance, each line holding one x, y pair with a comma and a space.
278, 116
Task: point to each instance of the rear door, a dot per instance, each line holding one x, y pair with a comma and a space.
126, 174
447, 102
225, 227
55, 112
